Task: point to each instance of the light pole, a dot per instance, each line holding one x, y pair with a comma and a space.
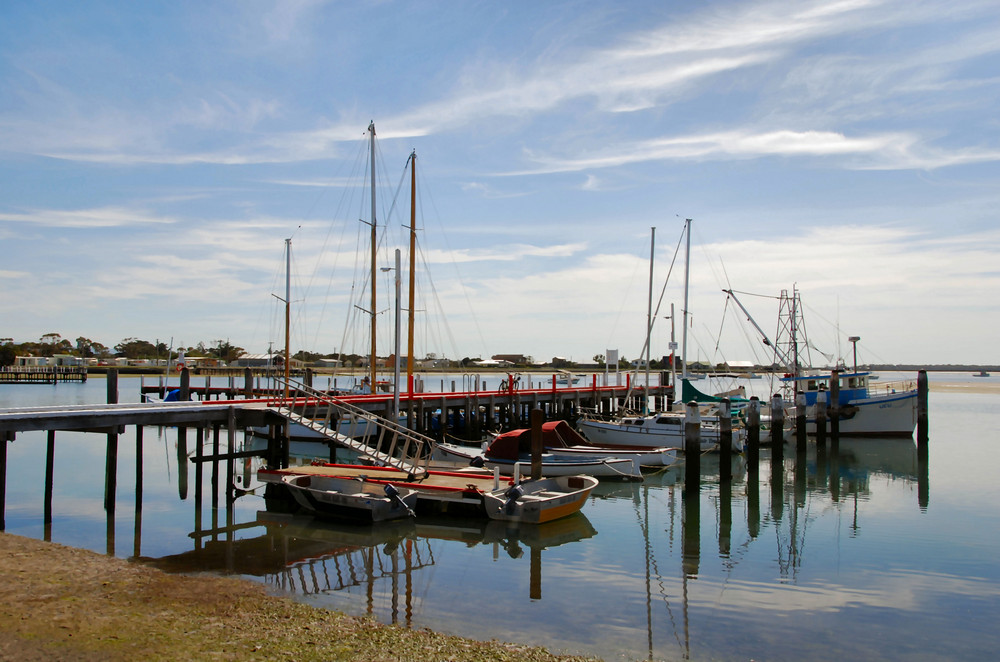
854, 341
395, 383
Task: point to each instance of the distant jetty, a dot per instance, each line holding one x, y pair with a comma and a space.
42, 374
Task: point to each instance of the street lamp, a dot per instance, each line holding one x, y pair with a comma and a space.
854, 341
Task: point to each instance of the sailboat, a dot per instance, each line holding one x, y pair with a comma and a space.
658, 429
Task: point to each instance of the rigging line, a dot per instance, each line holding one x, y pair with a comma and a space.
437, 301
718, 338
656, 313
427, 192
344, 203
621, 308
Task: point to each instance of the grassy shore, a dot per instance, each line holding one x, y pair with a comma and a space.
61, 603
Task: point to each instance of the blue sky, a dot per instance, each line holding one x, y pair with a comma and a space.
154, 156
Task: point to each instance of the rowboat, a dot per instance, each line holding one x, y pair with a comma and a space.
539, 501
353, 499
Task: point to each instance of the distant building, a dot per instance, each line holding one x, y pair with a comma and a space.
257, 360
492, 363
513, 359
31, 361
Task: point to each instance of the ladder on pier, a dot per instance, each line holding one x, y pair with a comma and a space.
385, 441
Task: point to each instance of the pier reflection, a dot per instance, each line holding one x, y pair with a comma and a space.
794, 483
302, 555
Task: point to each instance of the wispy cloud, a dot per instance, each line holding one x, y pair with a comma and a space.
101, 217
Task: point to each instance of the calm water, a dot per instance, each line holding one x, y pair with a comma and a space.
863, 556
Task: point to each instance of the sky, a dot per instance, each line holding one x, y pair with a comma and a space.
155, 156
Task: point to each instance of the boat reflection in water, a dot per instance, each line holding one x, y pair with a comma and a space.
308, 557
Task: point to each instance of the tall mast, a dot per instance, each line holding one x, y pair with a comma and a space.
687, 275
371, 359
649, 310
288, 311
413, 261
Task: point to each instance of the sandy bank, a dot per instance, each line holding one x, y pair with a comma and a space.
61, 603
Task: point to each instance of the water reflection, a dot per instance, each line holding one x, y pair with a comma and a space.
682, 572
298, 554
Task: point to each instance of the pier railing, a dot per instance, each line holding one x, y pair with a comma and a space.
384, 440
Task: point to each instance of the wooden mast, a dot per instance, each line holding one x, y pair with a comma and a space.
288, 315
371, 357
413, 261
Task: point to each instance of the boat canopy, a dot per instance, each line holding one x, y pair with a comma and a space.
689, 393
512, 445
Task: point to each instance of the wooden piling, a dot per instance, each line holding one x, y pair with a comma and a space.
692, 447
777, 421
753, 500
185, 393
922, 423
777, 449
725, 518
4, 438
537, 418
821, 406
725, 442
248, 383
138, 468
215, 465
50, 452
800, 423
690, 531
753, 436
231, 440
137, 519
535, 574
834, 413
182, 462
199, 471
111, 458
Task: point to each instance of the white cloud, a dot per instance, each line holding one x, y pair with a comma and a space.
102, 217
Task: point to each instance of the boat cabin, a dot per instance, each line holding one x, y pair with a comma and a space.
852, 385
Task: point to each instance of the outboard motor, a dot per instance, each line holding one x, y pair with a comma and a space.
391, 492
514, 493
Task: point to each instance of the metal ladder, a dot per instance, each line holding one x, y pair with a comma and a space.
389, 443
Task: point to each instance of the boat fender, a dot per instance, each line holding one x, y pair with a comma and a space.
476, 462
513, 493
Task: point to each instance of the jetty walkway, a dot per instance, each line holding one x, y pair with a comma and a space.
396, 443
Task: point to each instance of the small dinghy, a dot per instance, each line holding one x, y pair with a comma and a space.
539, 501
352, 499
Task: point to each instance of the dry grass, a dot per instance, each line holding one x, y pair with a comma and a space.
61, 603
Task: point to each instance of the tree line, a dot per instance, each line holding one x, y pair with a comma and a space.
51, 344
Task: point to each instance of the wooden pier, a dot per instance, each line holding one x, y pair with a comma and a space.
42, 374
436, 415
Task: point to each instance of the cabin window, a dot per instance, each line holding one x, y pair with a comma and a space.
667, 421
811, 385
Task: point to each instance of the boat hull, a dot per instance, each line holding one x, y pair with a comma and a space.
552, 463
346, 499
651, 435
882, 416
539, 501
